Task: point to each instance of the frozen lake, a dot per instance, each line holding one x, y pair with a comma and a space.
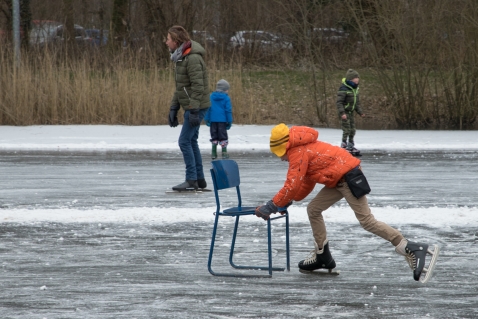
152, 270
107, 179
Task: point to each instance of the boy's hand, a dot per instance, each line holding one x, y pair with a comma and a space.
363, 115
228, 126
344, 116
283, 210
266, 210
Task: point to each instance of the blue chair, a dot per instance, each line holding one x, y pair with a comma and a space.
225, 174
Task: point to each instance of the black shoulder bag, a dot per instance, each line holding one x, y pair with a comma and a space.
357, 182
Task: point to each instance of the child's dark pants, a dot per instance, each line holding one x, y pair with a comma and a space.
218, 132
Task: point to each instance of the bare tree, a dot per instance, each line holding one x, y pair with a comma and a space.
119, 22
69, 23
301, 21
25, 19
6, 9
161, 15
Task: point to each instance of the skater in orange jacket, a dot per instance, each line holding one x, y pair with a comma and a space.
314, 162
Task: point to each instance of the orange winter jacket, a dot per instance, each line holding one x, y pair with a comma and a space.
310, 162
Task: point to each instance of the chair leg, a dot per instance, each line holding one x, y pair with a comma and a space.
269, 245
233, 244
211, 249
287, 240
209, 264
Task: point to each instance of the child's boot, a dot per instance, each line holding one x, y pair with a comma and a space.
224, 153
214, 151
344, 144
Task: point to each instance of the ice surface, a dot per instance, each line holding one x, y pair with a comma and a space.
241, 137
435, 162
87, 231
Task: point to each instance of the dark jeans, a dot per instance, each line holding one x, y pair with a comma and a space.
188, 143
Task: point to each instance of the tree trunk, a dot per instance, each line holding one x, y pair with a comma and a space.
69, 25
25, 21
164, 14
119, 23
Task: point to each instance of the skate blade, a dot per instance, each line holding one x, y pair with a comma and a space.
189, 191
323, 272
431, 266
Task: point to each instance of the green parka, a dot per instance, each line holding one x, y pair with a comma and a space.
192, 87
348, 99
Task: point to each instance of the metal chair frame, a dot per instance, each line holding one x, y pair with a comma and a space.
225, 174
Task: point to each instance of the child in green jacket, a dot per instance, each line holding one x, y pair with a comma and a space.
348, 102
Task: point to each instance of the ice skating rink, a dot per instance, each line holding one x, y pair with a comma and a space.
52, 270
93, 235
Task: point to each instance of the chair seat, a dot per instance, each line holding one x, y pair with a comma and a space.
238, 210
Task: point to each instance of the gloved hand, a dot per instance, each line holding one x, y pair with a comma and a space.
173, 115
194, 117
228, 126
266, 210
282, 210
208, 123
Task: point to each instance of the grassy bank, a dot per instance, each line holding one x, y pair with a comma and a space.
51, 92
132, 91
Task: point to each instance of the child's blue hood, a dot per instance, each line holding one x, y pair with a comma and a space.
218, 96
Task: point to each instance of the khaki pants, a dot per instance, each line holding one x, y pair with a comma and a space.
328, 196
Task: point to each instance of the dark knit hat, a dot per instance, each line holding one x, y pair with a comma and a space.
351, 74
222, 85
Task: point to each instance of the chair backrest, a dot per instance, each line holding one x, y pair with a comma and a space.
225, 174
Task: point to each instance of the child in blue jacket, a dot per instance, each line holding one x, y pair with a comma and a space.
219, 118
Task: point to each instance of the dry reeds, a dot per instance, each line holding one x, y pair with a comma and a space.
47, 90
133, 90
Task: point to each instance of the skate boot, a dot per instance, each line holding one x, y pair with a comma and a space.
352, 150
318, 259
214, 151
343, 144
415, 254
189, 185
202, 183
224, 153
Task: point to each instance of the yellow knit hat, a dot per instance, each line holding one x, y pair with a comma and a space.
279, 139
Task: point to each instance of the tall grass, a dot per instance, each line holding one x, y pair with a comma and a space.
131, 89
48, 90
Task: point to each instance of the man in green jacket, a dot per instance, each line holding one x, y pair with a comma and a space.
192, 94
348, 102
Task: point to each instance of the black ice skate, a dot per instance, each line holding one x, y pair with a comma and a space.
318, 259
352, 150
415, 254
202, 183
189, 185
